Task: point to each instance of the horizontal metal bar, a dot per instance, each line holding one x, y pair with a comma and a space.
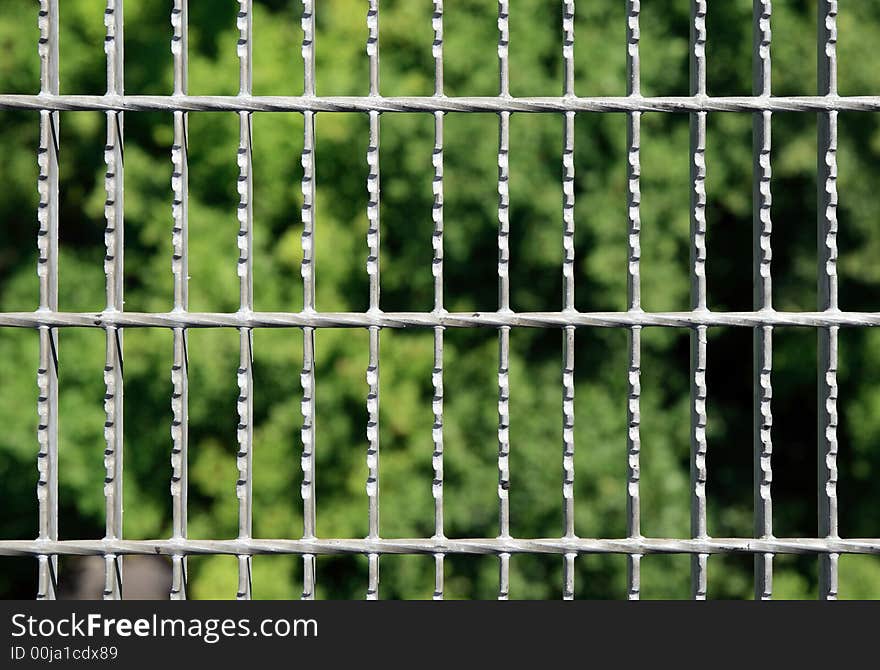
249, 103
491, 546
180, 319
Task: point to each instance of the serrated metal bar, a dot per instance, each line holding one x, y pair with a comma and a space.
244, 487
373, 242
437, 271
698, 296
826, 182
503, 299
47, 270
114, 269
180, 271
762, 227
462, 546
511, 319
307, 270
568, 335
634, 300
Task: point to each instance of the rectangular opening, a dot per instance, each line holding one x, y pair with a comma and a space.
405, 577
859, 577
213, 361
668, 576
341, 250
21, 68
599, 49
665, 212
407, 227
600, 430
81, 222
536, 577
213, 60
277, 54
18, 578
471, 212
82, 62
277, 577
665, 41
405, 429
470, 36
471, 433
471, 577
857, 431
665, 431
342, 577
212, 577
730, 383
794, 212
729, 252
794, 432
148, 357
535, 49
536, 227
535, 433
213, 199
731, 577
19, 288
341, 64
81, 417
794, 64
341, 358
148, 216
19, 360
600, 213
278, 421
277, 177
405, 46
794, 577
600, 577
729, 48
149, 64
859, 22
858, 239
147, 577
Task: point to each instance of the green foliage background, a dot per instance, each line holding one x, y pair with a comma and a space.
471, 362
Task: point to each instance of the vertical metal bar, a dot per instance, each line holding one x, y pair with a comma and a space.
568, 334
244, 460
763, 300
634, 304
698, 296
437, 271
373, 189
180, 270
827, 279
47, 271
373, 459
307, 378
113, 269
503, 300
568, 343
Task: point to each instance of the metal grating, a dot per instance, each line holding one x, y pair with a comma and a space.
827, 319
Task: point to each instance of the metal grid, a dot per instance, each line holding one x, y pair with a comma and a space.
113, 320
